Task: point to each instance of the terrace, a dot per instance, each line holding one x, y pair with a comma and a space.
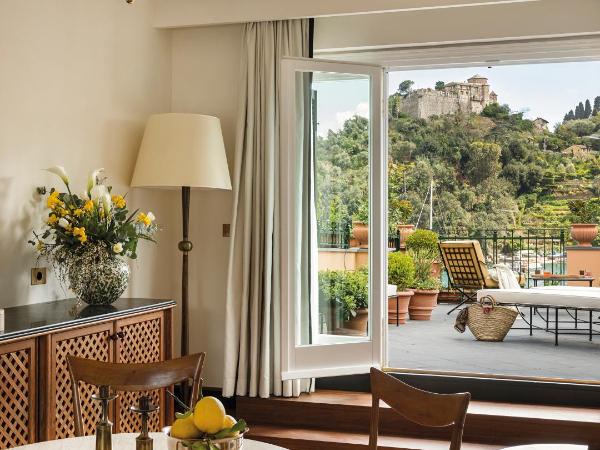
435, 346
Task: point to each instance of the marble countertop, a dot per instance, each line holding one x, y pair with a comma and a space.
38, 318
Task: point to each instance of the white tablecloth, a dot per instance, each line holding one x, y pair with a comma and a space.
125, 441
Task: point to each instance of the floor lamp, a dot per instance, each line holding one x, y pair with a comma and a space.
183, 151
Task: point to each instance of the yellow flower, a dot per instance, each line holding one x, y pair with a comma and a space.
40, 246
53, 200
89, 205
62, 212
145, 219
52, 219
119, 201
78, 212
79, 233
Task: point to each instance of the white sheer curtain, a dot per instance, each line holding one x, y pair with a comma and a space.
252, 328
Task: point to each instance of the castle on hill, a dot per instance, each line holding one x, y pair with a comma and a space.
466, 97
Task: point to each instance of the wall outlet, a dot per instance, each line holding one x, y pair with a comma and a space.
38, 276
226, 230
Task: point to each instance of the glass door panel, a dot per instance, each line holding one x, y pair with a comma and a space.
333, 218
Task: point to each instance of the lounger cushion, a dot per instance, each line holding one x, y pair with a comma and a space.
575, 297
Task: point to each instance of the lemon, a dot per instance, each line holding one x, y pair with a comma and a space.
185, 428
209, 415
228, 422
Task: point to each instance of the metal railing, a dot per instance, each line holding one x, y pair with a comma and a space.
523, 250
334, 237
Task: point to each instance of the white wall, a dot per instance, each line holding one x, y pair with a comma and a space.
205, 76
78, 79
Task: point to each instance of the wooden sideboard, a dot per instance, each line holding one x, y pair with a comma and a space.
35, 387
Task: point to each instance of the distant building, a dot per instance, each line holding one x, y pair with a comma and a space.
540, 124
578, 151
468, 97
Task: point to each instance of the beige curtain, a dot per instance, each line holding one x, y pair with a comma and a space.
252, 334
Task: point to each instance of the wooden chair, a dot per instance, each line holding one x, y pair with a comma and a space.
421, 407
133, 377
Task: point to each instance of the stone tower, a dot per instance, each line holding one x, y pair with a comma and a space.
466, 97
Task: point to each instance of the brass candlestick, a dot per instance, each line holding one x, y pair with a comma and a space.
144, 408
104, 427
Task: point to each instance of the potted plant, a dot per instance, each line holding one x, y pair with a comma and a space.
399, 214
86, 238
422, 247
344, 299
584, 216
401, 273
360, 226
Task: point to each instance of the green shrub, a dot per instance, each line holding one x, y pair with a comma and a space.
584, 211
345, 288
401, 270
422, 246
422, 240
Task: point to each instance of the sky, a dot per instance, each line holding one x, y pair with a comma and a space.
539, 90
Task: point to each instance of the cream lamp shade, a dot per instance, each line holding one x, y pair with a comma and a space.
182, 150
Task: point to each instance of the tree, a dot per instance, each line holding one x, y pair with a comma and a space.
405, 87
569, 116
580, 111
587, 109
483, 162
596, 108
439, 85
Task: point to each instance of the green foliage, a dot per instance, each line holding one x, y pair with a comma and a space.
345, 288
439, 85
405, 87
490, 170
401, 270
422, 240
584, 211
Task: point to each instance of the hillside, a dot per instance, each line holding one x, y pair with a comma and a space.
491, 170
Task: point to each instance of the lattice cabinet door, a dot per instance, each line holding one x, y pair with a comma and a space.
93, 342
141, 340
18, 386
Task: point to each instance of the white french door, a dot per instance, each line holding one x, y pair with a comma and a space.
332, 309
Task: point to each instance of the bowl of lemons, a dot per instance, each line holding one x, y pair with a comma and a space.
206, 427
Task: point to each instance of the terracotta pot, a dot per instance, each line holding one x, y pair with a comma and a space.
422, 304
360, 232
398, 307
584, 233
404, 231
359, 322
436, 270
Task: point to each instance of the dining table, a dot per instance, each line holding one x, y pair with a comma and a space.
125, 441
548, 447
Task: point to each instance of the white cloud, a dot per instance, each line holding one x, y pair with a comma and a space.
336, 123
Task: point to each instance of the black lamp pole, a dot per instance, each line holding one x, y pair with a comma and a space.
185, 246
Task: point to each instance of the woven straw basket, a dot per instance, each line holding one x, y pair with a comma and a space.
490, 322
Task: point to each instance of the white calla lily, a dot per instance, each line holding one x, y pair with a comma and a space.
63, 223
151, 216
106, 202
92, 179
60, 172
97, 192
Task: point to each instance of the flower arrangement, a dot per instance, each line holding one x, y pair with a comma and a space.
95, 222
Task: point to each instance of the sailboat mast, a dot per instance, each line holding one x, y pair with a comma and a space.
431, 205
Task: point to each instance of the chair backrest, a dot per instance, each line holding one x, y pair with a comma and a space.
133, 377
421, 407
465, 264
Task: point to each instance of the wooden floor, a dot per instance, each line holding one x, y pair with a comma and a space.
339, 420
